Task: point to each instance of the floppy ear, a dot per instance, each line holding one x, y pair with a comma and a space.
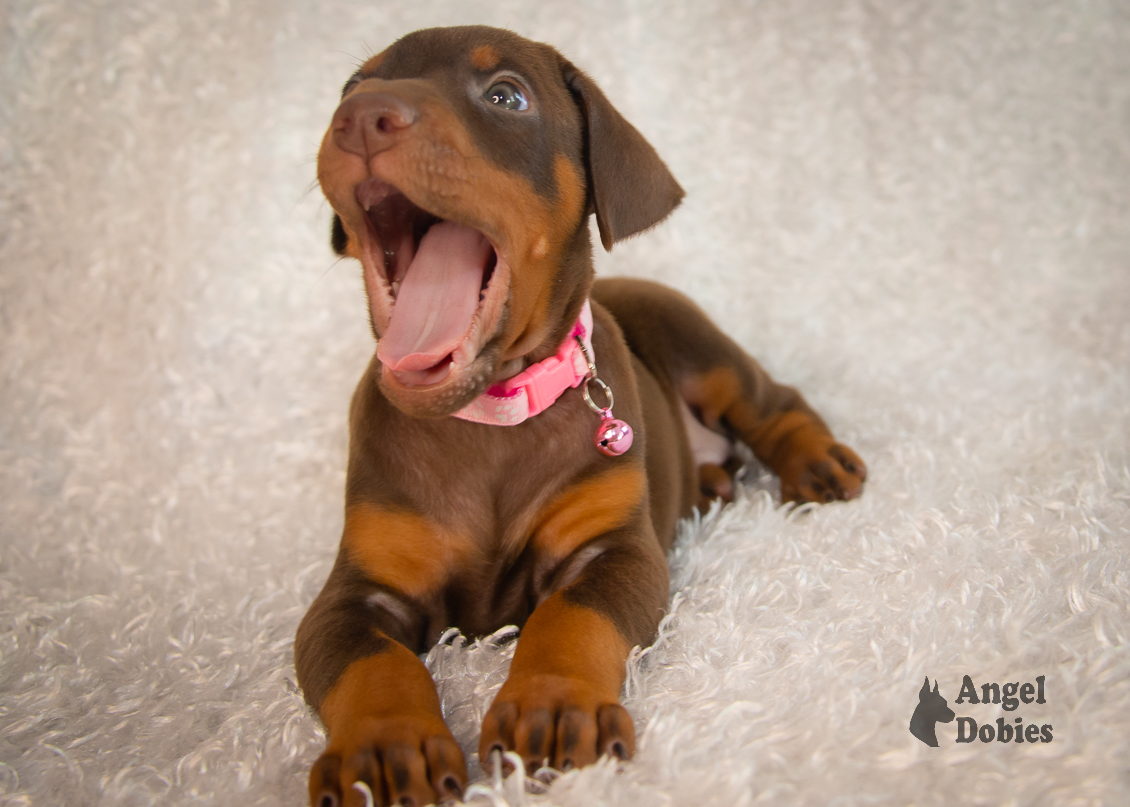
631, 187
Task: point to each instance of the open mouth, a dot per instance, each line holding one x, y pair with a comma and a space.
435, 285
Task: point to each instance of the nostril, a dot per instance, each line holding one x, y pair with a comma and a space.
393, 115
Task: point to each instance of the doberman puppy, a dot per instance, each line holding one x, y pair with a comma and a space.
463, 165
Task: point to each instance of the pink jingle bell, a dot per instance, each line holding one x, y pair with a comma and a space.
614, 436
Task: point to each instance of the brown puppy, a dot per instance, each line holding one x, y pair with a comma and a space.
463, 165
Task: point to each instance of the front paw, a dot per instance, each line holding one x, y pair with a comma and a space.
409, 760
818, 469
552, 720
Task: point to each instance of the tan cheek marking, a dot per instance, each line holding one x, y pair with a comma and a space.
570, 194
433, 170
335, 181
531, 314
589, 509
404, 551
484, 57
497, 197
559, 222
554, 226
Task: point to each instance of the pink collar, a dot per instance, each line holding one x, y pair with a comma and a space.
534, 390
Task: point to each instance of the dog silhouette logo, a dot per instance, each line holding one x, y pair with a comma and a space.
932, 708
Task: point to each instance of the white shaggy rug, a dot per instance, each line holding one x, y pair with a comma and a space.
918, 213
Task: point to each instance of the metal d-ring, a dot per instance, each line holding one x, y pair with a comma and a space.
600, 410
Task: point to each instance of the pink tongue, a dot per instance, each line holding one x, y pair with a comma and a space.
437, 298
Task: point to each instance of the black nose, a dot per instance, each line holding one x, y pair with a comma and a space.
368, 123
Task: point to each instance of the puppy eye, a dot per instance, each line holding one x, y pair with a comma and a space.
507, 96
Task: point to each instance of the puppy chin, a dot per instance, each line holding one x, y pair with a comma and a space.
438, 392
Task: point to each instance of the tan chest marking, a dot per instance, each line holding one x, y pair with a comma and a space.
405, 551
588, 509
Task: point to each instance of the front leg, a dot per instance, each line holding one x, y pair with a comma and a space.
355, 659
561, 702
386, 730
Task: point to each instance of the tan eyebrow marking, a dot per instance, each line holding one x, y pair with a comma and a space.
485, 57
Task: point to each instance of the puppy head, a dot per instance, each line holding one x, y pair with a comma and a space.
462, 165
